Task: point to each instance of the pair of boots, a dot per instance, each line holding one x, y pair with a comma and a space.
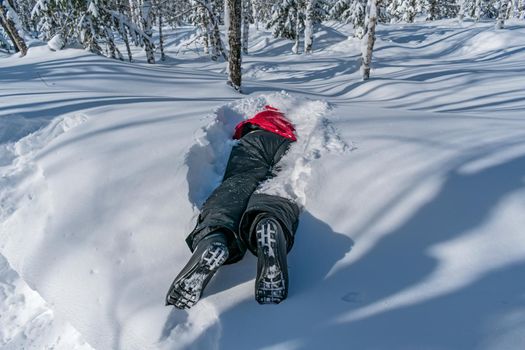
271, 283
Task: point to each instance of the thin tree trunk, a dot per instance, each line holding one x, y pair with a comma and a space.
309, 27
126, 42
477, 11
234, 39
134, 11
161, 36
146, 24
12, 32
217, 40
111, 48
510, 9
370, 39
124, 33
432, 10
295, 48
226, 16
246, 14
461, 12
500, 22
205, 35
521, 9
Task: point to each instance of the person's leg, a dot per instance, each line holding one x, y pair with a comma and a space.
268, 228
187, 288
251, 162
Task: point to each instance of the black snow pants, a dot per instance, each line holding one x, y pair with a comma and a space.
233, 205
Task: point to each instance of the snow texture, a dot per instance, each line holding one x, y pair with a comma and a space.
416, 235
27, 322
56, 43
207, 158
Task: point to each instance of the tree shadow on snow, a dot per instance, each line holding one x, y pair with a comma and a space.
464, 318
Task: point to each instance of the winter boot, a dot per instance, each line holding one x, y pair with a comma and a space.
271, 284
188, 286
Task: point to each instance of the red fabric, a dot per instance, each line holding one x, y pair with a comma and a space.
270, 119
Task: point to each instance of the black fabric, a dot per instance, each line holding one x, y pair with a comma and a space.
252, 160
259, 206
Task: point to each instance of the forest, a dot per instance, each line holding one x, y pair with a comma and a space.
222, 28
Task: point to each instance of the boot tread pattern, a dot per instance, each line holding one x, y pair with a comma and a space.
187, 291
271, 288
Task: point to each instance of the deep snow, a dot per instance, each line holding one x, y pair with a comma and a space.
413, 186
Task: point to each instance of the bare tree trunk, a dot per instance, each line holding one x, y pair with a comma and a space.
12, 32
128, 49
124, 33
146, 25
218, 41
161, 36
309, 27
205, 36
246, 18
134, 11
110, 44
510, 9
370, 39
226, 16
461, 12
477, 11
234, 39
521, 9
295, 48
214, 33
500, 22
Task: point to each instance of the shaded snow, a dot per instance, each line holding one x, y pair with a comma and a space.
415, 235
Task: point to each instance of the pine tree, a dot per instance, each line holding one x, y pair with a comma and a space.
206, 17
288, 21
432, 10
23, 9
262, 11
404, 10
350, 11
91, 23
285, 18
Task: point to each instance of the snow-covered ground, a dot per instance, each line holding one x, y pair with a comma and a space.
413, 186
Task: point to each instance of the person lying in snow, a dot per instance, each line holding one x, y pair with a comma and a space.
236, 218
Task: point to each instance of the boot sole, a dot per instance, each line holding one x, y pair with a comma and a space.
271, 286
187, 289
